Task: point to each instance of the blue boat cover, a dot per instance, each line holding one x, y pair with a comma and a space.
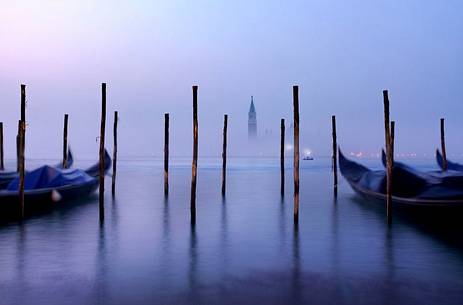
407, 182
450, 165
50, 177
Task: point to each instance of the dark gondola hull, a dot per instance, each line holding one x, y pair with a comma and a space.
36, 202
424, 189
47, 188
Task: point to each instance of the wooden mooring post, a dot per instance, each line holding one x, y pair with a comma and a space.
224, 155
194, 165
296, 153
442, 143
388, 141
102, 151
21, 168
166, 154
65, 141
113, 182
392, 140
2, 164
18, 146
22, 142
282, 157
334, 157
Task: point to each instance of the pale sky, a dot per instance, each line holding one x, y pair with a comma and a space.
342, 54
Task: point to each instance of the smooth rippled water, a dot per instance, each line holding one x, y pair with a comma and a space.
243, 250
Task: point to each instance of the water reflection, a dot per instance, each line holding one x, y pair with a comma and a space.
21, 252
342, 249
101, 266
296, 285
193, 280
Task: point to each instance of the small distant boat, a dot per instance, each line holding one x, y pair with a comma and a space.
7, 176
307, 158
410, 186
47, 185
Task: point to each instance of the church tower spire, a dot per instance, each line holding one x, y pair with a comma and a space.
252, 120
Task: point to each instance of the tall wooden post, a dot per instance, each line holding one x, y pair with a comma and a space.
388, 157
2, 165
166, 154
442, 142
21, 168
113, 182
22, 144
195, 156
282, 157
102, 151
65, 141
296, 153
18, 145
224, 154
23, 103
335, 156
392, 140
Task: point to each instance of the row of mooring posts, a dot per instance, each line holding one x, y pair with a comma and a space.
20, 151
389, 141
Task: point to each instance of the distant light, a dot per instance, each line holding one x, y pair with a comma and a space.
307, 152
289, 147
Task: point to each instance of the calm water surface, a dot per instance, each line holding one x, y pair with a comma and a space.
243, 250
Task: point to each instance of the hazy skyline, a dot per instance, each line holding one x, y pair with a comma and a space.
341, 54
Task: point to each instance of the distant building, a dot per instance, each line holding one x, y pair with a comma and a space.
252, 121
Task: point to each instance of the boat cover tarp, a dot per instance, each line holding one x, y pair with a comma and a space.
50, 177
450, 165
407, 182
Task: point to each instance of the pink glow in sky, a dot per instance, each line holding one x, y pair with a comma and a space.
341, 53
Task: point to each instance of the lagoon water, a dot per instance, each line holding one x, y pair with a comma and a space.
244, 249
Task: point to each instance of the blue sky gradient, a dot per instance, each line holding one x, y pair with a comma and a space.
342, 54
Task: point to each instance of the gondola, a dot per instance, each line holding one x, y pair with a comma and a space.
410, 187
450, 165
47, 186
7, 176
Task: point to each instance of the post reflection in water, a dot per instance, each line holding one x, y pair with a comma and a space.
297, 285
224, 235
244, 248
101, 266
21, 252
193, 280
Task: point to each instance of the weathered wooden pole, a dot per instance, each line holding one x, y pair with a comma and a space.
23, 104
224, 154
113, 182
18, 145
102, 151
296, 153
392, 140
65, 141
166, 154
282, 157
335, 156
2, 165
389, 161
22, 145
195, 156
442, 142
22, 134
